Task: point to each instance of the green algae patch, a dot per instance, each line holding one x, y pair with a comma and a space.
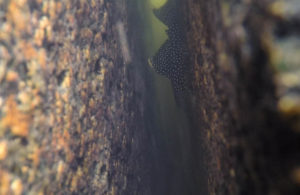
157, 3
155, 30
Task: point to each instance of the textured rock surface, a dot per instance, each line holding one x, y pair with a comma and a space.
67, 120
250, 149
76, 105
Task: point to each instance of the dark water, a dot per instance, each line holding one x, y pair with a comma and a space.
174, 170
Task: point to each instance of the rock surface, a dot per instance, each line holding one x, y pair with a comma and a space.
70, 121
77, 106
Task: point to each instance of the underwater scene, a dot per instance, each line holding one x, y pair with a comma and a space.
149, 97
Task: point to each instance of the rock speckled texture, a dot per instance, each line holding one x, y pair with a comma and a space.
73, 114
67, 124
250, 149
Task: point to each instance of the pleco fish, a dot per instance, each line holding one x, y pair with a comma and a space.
171, 60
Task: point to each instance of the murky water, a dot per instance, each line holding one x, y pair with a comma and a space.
167, 123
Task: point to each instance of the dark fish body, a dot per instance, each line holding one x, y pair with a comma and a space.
171, 60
